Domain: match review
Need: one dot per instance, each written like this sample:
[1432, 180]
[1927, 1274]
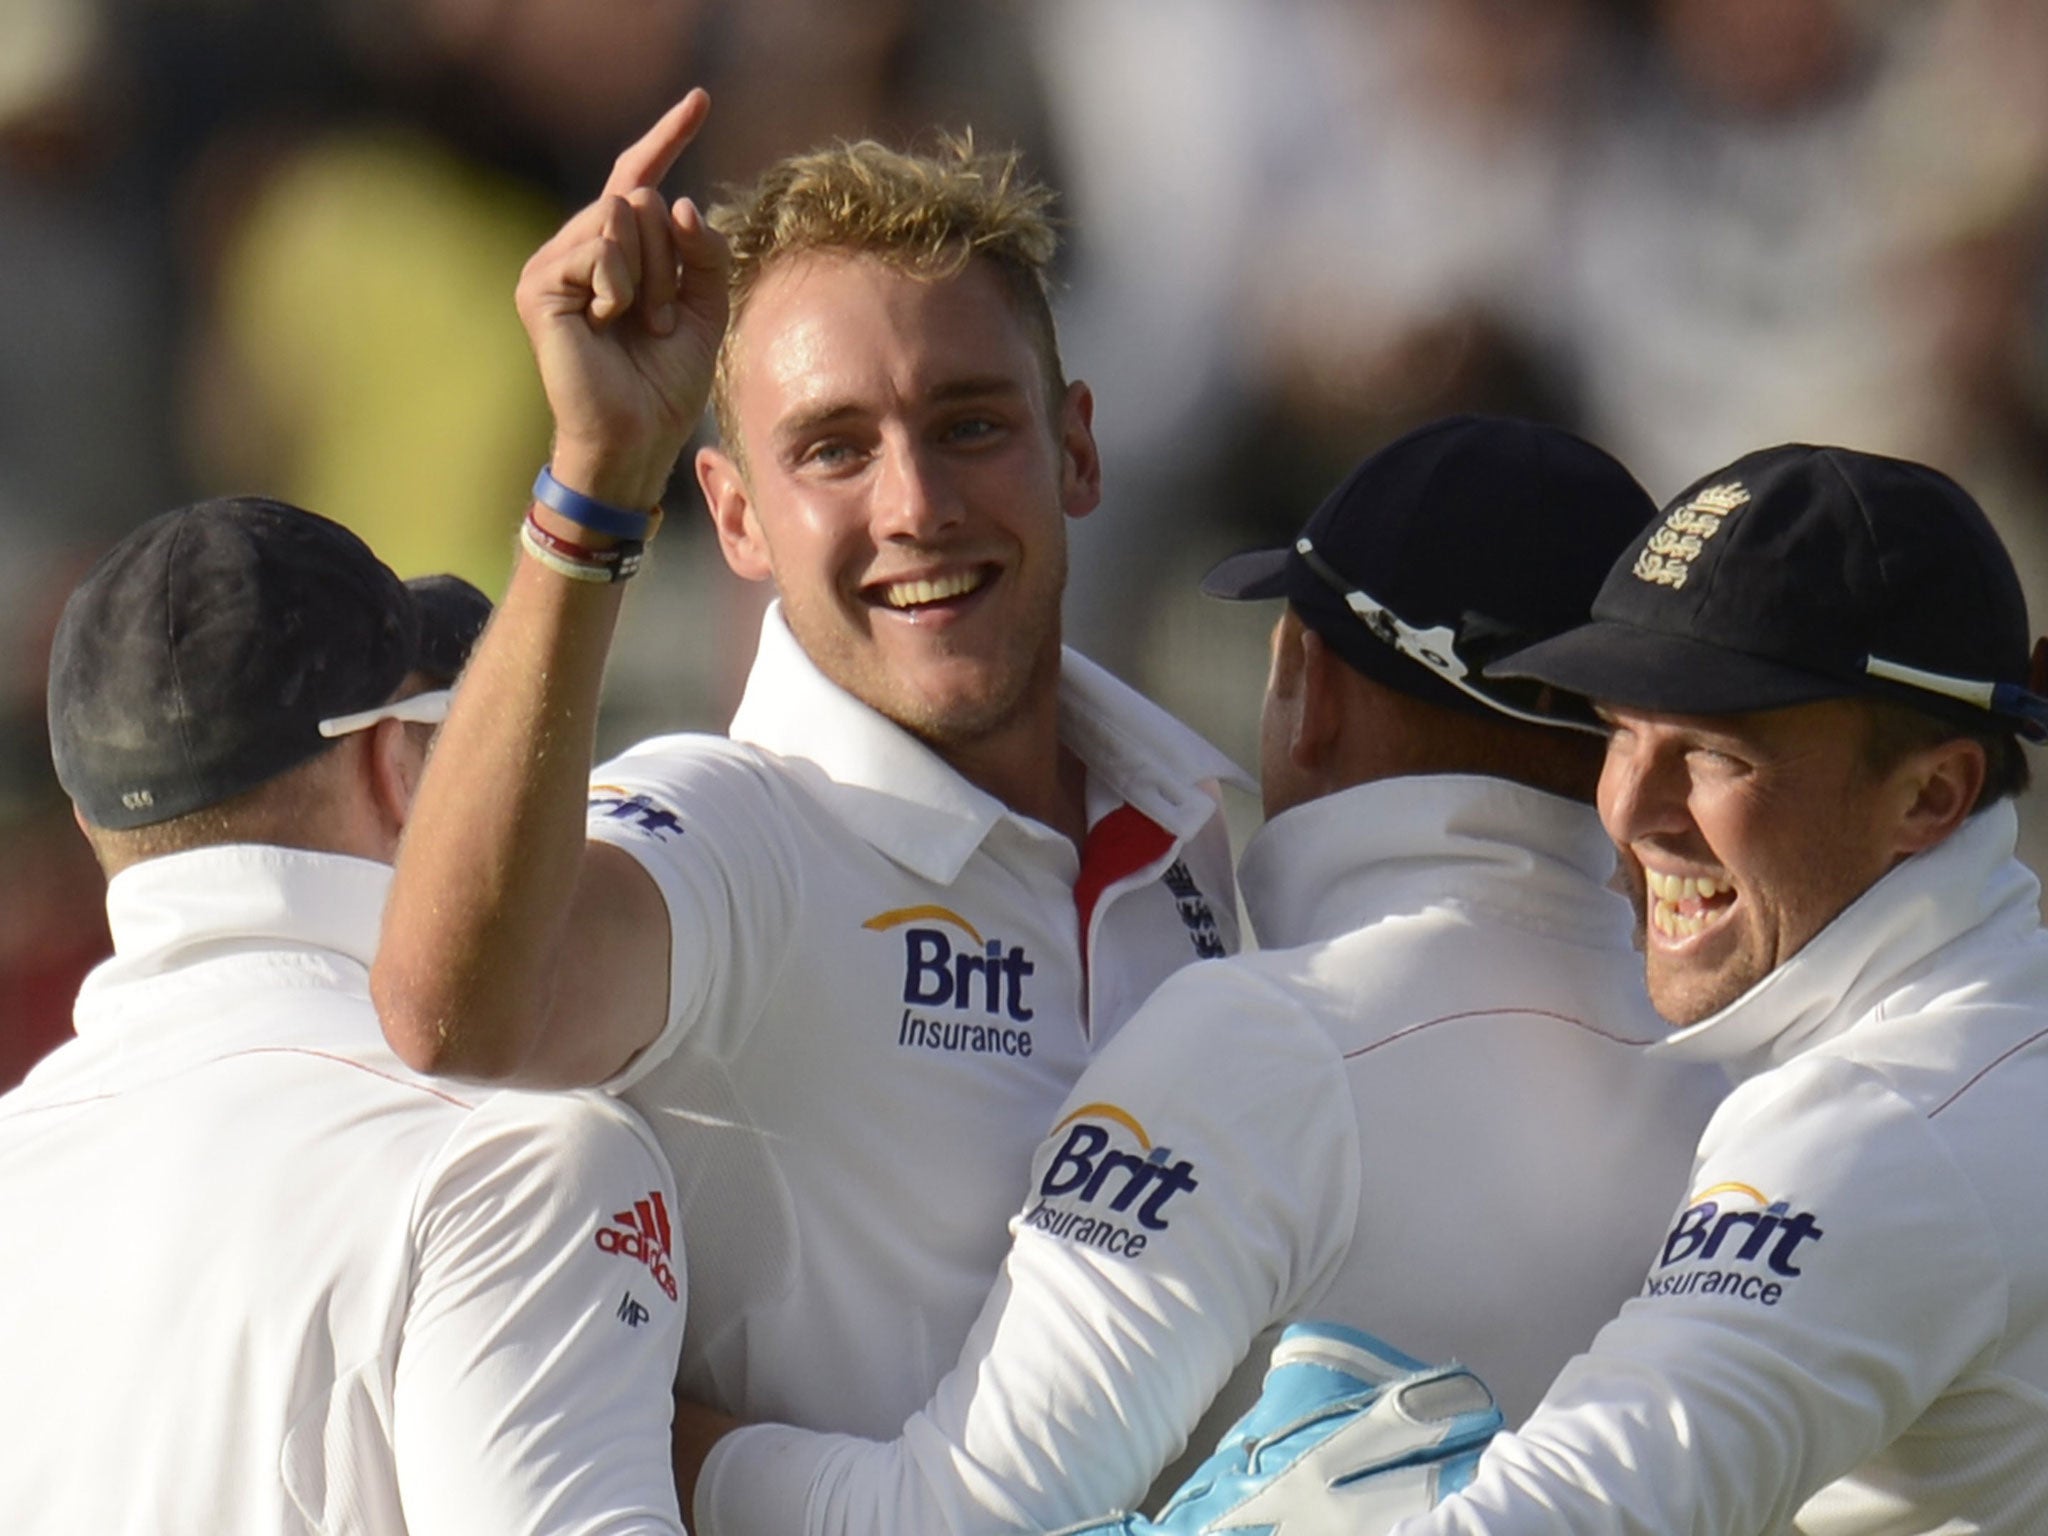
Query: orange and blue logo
[1109, 1165]
[1742, 1223]
[1733, 1223]
[948, 963]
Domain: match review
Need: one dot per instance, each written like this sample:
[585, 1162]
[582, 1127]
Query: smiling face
[1747, 834]
[906, 486]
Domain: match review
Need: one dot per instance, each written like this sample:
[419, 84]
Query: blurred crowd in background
[269, 246]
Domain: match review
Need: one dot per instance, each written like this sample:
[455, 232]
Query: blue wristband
[584, 512]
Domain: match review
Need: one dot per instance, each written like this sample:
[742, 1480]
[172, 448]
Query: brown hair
[928, 214]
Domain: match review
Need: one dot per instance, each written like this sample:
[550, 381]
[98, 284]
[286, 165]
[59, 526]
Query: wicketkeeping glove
[1348, 1437]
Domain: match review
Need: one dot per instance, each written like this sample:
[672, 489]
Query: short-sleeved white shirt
[1429, 1107]
[259, 1277]
[879, 996]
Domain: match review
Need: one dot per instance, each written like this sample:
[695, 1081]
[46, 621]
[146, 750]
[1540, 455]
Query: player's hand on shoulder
[1348, 1435]
[625, 308]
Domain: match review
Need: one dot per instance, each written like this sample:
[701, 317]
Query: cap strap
[2028, 712]
[1435, 649]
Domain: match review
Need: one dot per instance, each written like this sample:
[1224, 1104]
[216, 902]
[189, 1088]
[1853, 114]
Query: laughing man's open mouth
[1682, 905]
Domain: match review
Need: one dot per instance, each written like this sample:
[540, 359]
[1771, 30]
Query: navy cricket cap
[198, 657]
[1450, 547]
[1801, 573]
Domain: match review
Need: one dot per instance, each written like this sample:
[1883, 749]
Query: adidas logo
[643, 1233]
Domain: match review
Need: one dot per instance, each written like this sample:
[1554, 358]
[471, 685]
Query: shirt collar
[171, 913]
[1338, 862]
[1967, 882]
[898, 794]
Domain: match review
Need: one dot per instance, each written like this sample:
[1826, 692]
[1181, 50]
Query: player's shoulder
[668, 786]
[540, 1183]
[1941, 1051]
[1267, 978]
[1226, 1065]
[1444, 961]
[303, 1040]
[1904, 1090]
[540, 1158]
[571, 1125]
[1362, 974]
[1251, 1009]
[692, 757]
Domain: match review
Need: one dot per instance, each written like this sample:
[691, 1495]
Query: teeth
[1673, 923]
[910, 594]
[1682, 887]
[1667, 892]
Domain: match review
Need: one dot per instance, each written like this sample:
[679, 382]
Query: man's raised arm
[512, 949]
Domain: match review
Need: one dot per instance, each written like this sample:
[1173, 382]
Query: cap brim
[1612, 663]
[1257, 573]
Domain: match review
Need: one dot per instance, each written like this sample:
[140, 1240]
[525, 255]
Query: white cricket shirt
[1844, 1330]
[1427, 1108]
[261, 1278]
[879, 997]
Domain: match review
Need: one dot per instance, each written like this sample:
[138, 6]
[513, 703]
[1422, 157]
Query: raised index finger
[651, 157]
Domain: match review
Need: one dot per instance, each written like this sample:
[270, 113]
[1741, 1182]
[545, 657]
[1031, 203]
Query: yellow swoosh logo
[1108, 1112]
[925, 914]
[1733, 1189]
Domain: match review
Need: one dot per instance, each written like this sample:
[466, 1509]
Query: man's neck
[1025, 765]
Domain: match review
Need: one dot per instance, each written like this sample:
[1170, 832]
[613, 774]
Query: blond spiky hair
[929, 214]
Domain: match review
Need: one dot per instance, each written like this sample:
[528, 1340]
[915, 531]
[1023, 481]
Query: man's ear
[1937, 788]
[395, 761]
[1319, 721]
[726, 497]
[1080, 460]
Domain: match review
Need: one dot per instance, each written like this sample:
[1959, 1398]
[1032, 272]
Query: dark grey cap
[198, 657]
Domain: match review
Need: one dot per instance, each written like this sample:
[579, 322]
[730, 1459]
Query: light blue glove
[1348, 1437]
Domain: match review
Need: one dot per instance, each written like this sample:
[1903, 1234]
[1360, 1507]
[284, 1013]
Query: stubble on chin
[950, 719]
[1683, 996]
[958, 724]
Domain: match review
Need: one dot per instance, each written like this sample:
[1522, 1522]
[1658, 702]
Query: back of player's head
[927, 213]
[1450, 547]
[221, 645]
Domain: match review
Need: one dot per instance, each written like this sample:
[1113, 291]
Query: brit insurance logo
[1108, 1186]
[638, 811]
[1734, 1240]
[963, 991]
